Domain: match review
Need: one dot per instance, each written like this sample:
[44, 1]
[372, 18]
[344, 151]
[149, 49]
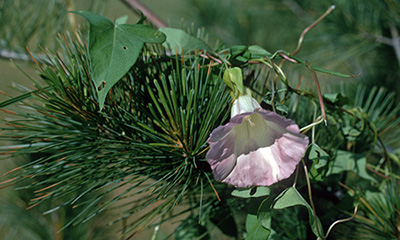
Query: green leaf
[320, 160]
[239, 55]
[237, 50]
[121, 20]
[258, 52]
[288, 198]
[179, 40]
[251, 192]
[254, 230]
[114, 48]
[337, 99]
[281, 108]
[347, 161]
[264, 215]
[318, 156]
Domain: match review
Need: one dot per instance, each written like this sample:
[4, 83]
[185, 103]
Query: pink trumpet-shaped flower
[256, 148]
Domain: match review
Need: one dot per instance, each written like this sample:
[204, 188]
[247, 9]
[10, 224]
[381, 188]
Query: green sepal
[234, 79]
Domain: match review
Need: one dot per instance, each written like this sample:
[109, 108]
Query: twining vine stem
[310, 196]
[330, 9]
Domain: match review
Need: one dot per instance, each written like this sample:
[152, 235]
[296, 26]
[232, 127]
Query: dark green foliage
[356, 38]
[144, 152]
[291, 224]
[380, 215]
[222, 216]
[191, 229]
[150, 137]
[19, 221]
[36, 24]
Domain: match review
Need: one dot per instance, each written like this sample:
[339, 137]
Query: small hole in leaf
[101, 86]
[253, 191]
[125, 47]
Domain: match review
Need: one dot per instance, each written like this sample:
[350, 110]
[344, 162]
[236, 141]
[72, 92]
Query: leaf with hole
[254, 192]
[114, 48]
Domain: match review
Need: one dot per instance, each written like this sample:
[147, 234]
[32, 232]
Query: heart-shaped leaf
[114, 48]
[347, 161]
[288, 198]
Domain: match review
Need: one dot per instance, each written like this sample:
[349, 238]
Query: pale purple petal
[221, 157]
[255, 149]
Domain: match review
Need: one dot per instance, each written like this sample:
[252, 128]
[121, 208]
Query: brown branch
[377, 38]
[395, 41]
[321, 99]
[8, 54]
[151, 17]
[20, 56]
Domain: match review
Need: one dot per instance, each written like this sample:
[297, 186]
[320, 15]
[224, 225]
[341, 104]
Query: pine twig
[154, 19]
[377, 38]
[20, 56]
[8, 54]
[393, 41]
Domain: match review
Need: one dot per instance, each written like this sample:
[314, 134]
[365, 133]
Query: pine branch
[393, 41]
[19, 56]
[7, 54]
[137, 5]
[378, 38]
[144, 139]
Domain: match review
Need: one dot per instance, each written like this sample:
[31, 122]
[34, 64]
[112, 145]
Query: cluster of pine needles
[149, 139]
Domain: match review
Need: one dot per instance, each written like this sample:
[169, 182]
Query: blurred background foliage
[356, 38]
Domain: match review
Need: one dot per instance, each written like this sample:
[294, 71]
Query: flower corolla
[256, 148]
